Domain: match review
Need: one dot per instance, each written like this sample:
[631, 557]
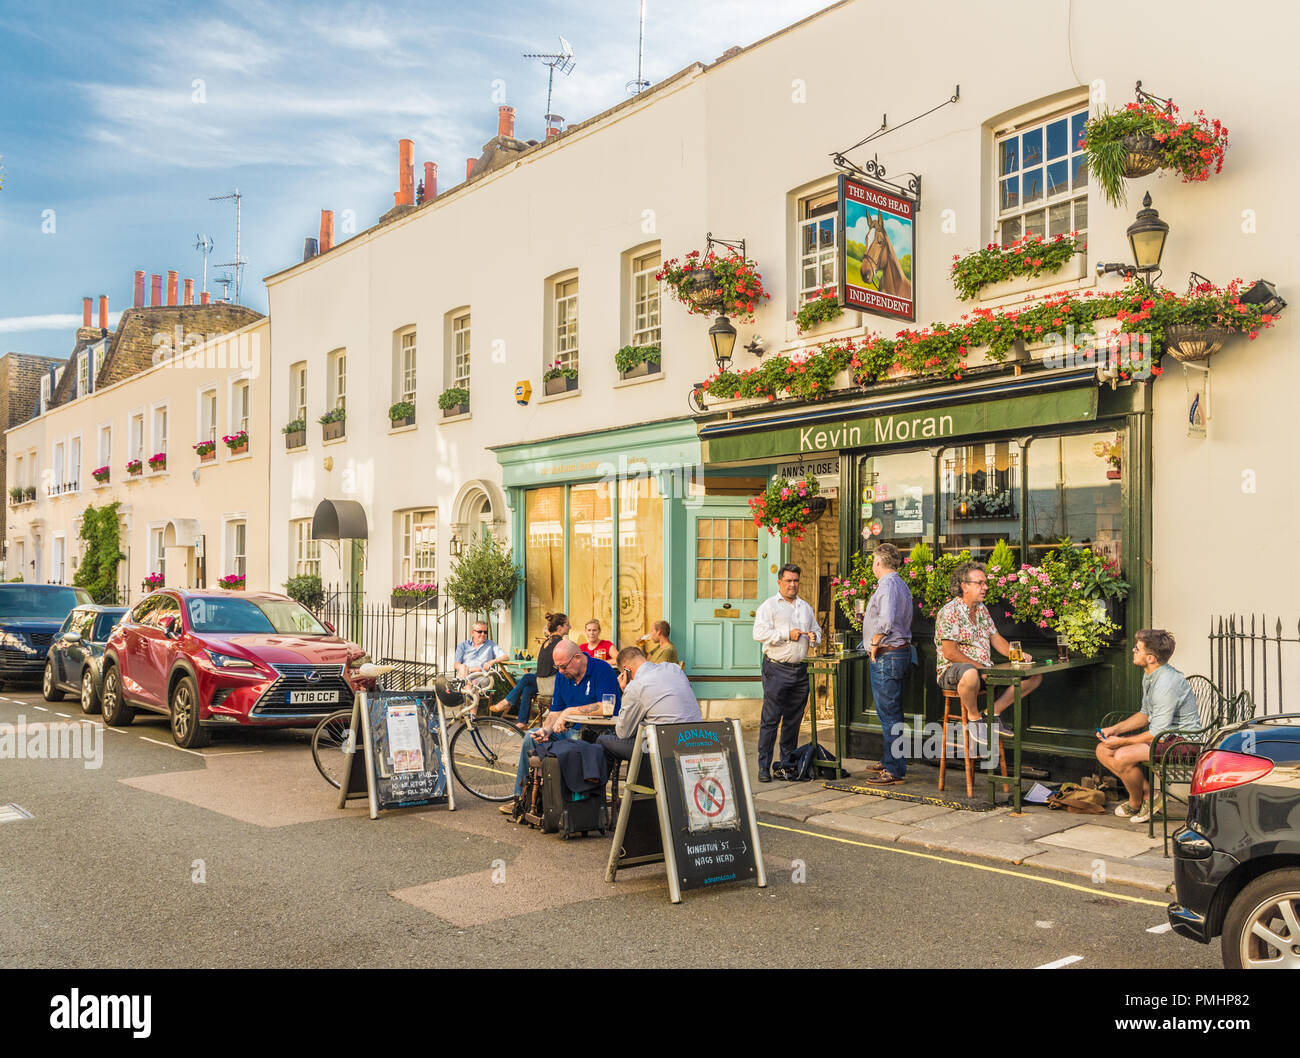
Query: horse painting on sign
[880, 268]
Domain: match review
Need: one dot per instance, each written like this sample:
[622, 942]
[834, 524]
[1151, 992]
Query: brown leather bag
[1076, 799]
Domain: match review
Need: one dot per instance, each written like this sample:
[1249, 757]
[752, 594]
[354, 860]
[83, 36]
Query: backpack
[1076, 799]
[798, 767]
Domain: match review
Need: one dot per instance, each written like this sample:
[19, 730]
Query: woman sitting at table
[595, 647]
[521, 697]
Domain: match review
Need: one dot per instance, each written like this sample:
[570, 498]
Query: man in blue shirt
[887, 635]
[1168, 704]
[581, 682]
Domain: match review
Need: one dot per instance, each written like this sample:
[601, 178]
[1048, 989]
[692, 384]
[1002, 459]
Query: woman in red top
[595, 647]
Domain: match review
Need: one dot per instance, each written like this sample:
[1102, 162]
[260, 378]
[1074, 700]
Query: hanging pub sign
[878, 251]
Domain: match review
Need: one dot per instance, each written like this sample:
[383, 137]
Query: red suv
[216, 658]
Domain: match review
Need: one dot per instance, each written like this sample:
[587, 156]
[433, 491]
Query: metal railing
[1249, 654]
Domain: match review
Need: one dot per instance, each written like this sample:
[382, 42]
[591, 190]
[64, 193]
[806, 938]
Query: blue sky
[300, 107]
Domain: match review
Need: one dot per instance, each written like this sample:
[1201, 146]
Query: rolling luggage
[569, 814]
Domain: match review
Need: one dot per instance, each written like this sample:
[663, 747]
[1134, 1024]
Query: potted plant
[101, 475]
[788, 506]
[822, 307]
[134, 467]
[1142, 138]
[233, 581]
[29, 493]
[207, 451]
[484, 578]
[236, 442]
[158, 461]
[295, 433]
[559, 379]
[306, 590]
[637, 361]
[715, 286]
[152, 581]
[414, 594]
[402, 414]
[16, 494]
[1028, 257]
[454, 401]
[334, 422]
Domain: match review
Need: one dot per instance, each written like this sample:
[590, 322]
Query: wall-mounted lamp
[1146, 240]
[722, 336]
[456, 545]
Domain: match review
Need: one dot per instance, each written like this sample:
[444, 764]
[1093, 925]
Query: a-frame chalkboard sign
[399, 751]
[688, 804]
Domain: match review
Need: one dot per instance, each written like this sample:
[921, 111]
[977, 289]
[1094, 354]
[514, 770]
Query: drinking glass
[607, 705]
[1016, 655]
[1062, 648]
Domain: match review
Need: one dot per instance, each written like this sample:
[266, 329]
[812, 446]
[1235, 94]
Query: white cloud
[52, 322]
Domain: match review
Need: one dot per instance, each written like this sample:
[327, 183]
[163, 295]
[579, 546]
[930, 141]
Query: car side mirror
[70, 637]
[330, 627]
[168, 626]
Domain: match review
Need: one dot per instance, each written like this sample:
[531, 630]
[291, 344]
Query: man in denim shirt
[887, 635]
[1168, 704]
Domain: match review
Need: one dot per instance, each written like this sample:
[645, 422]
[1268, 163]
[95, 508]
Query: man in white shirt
[787, 628]
[653, 692]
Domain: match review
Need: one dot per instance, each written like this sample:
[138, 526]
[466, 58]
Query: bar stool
[952, 713]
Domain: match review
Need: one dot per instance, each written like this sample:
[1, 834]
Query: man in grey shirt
[887, 636]
[652, 693]
[1168, 704]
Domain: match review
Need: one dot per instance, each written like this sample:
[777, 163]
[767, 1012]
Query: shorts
[953, 674]
[1176, 749]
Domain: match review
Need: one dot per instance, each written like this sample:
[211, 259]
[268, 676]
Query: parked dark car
[73, 664]
[1237, 859]
[30, 617]
[217, 658]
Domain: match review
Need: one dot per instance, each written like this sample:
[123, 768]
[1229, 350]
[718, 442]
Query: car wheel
[116, 712]
[49, 688]
[1262, 930]
[186, 731]
[89, 693]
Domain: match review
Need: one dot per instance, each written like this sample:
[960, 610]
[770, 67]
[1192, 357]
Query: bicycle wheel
[328, 743]
[484, 758]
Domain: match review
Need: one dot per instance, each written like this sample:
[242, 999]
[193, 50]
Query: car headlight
[228, 661]
[14, 641]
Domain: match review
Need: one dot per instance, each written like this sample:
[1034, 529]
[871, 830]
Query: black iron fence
[1252, 654]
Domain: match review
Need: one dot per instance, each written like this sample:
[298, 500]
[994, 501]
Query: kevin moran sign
[749, 440]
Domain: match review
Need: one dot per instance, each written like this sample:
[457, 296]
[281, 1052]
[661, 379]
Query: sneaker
[1126, 811]
[1005, 730]
[508, 809]
[1144, 815]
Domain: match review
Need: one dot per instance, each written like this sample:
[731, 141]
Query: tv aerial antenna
[238, 263]
[640, 84]
[564, 61]
[204, 246]
[225, 282]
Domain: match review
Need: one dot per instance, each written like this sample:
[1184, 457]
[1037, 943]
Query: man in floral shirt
[963, 634]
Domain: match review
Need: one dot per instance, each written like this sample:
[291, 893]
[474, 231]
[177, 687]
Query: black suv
[1237, 859]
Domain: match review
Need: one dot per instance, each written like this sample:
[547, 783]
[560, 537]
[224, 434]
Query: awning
[339, 520]
[185, 531]
[1017, 404]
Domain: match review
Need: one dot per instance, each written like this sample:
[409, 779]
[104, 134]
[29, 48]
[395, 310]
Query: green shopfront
[617, 526]
[1032, 460]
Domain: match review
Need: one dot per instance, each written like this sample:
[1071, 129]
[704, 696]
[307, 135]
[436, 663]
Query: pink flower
[1048, 613]
[1002, 581]
[1042, 624]
[1076, 586]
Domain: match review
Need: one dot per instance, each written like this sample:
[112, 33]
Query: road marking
[182, 749]
[40, 707]
[973, 866]
[67, 715]
[1045, 925]
[1069, 960]
[226, 753]
[1164, 927]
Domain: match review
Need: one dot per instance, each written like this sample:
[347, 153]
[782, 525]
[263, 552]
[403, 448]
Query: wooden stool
[952, 713]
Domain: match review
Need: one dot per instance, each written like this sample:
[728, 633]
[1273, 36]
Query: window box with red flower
[236, 442]
[207, 451]
[101, 475]
[999, 271]
[233, 581]
[158, 461]
[822, 308]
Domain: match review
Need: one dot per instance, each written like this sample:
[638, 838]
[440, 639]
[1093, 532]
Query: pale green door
[730, 573]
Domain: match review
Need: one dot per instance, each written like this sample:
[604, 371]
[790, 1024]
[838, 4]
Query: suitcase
[569, 814]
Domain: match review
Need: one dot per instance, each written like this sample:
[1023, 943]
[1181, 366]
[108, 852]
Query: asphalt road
[236, 856]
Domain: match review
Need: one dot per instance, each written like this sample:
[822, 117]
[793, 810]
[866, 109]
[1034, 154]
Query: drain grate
[11, 812]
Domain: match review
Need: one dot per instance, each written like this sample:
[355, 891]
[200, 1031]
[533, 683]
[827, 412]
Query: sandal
[499, 708]
[883, 778]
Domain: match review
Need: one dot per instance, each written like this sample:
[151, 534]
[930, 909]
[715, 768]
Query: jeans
[530, 745]
[888, 673]
[521, 696]
[785, 696]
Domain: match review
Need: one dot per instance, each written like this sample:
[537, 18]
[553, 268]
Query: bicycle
[484, 750]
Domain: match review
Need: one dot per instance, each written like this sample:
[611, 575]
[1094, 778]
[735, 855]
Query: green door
[730, 573]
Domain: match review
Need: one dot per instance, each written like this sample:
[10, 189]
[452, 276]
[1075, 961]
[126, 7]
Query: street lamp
[722, 336]
[1146, 239]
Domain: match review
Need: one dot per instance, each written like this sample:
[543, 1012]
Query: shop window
[726, 558]
[897, 500]
[591, 557]
[640, 558]
[543, 557]
[1042, 178]
[980, 497]
[1075, 491]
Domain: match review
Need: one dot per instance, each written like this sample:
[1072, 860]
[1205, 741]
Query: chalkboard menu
[403, 737]
[707, 833]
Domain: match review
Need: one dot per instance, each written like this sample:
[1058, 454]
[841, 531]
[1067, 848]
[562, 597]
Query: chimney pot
[139, 289]
[203, 298]
[155, 292]
[552, 132]
[309, 248]
[103, 312]
[85, 311]
[189, 292]
[430, 180]
[326, 229]
[469, 167]
[405, 195]
[171, 288]
[506, 121]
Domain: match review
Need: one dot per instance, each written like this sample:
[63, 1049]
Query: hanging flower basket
[1144, 155]
[1192, 341]
[786, 507]
[715, 286]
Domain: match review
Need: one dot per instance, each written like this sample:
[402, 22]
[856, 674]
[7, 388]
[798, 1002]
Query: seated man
[661, 650]
[652, 692]
[478, 653]
[580, 684]
[1168, 704]
[963, 632]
